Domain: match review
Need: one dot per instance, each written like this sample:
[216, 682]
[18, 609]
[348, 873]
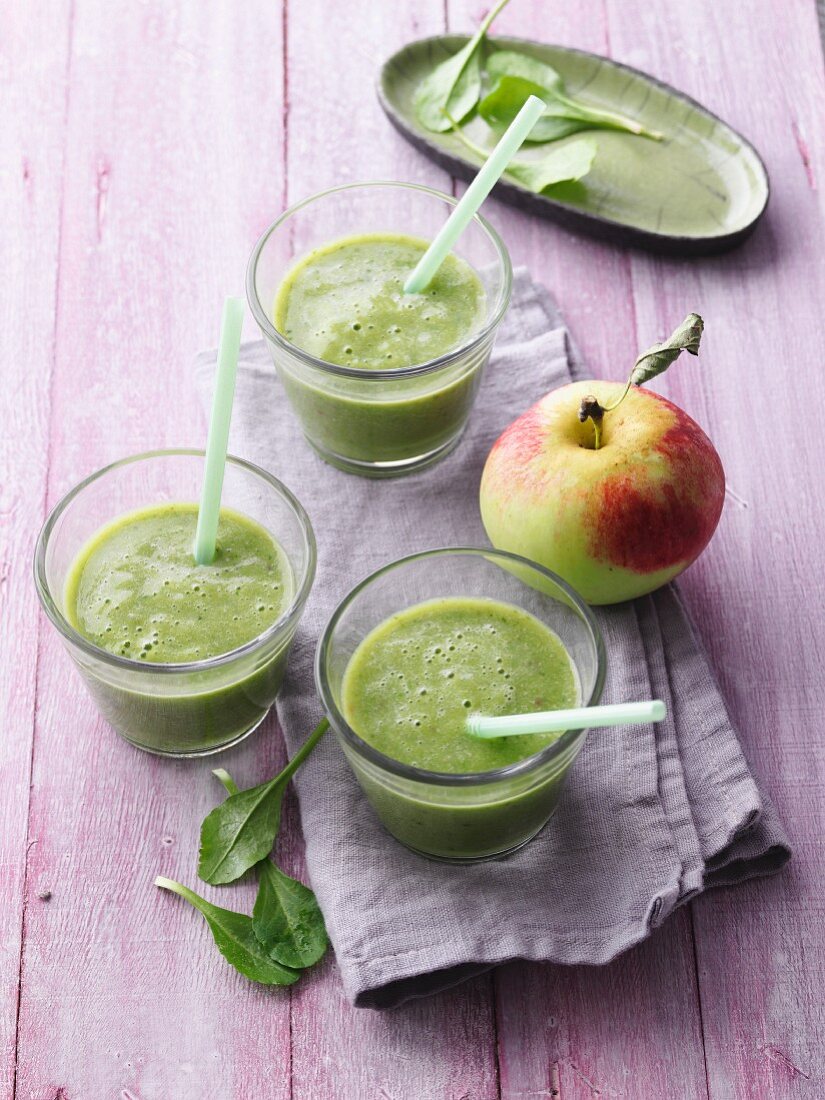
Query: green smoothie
[344, 304]
[135, 591]
[408, 690]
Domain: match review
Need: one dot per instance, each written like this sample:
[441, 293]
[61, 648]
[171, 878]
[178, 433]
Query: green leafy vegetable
[521, 65]
[567, 164]
[286, 931]
[235, 939]
[514, 77]
[658, 358]
[286, 918]
[455, 84]
[450, 92]
[508, 96]
[229, 783]
[241, 831]
[518, 76]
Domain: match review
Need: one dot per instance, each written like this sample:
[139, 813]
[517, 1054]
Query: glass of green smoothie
[425, 642]
[181, 659]
[382, 382]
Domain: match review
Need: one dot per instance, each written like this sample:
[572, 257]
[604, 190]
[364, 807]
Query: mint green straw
[216, 442]
[474, 196]
[557, 721]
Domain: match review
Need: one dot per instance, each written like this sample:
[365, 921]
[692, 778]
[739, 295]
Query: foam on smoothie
[345, 304]
[413, 680]
[136, 591]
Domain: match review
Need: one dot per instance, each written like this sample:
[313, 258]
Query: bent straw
[216, 441]
[474, 196]
[557, 721]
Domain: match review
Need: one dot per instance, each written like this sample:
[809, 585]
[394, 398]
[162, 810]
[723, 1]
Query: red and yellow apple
[614, 522]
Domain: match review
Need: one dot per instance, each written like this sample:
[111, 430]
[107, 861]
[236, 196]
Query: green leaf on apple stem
[658, 358]
[650, 363]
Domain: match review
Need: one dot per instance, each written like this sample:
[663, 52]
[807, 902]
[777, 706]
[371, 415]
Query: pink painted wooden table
[144, 146]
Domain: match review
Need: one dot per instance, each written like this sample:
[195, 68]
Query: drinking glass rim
[455, 779]
[62, 624]
[376, 376]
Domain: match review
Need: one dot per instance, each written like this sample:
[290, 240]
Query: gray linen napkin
[650, 815]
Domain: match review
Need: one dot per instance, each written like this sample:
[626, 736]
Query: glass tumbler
[461, 818]
[198, 707]
[378, 423]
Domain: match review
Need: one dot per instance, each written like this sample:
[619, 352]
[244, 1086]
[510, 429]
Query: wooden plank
[336, 133]
[758, 594]
[174, 152]
[33, 108]
[578, 1029]
[623, 1030]
[590, 279]
[442, 1047]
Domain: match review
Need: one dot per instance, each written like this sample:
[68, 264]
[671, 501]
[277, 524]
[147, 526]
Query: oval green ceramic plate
[700, 190]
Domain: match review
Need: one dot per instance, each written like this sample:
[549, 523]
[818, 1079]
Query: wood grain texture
[148, 146]
[629, 1029]
[430, 1050]
[33, 108]
[174, 148]
[756, 595]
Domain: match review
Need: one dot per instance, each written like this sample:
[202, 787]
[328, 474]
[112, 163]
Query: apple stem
[592, 409]
[622, 396]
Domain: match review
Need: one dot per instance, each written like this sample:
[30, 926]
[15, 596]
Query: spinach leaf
[508, 96]
[287, 919]
[455, 84]
[241, 831]
[521, 65]
[568, 163]
[658, 358]
[235, 939]
[229, 783]
[516, 76]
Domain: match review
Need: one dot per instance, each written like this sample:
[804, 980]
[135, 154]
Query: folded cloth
[650, 815]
